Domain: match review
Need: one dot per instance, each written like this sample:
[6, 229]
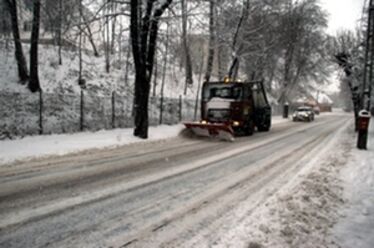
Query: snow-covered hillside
[55, 78]
[65, 108]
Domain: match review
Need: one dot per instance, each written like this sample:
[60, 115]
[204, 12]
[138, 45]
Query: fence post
[180, 108]
[161, 108]
[113, 110]
[82, 111]
[40, 112]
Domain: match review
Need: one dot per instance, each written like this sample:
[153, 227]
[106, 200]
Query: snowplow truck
[230, 109]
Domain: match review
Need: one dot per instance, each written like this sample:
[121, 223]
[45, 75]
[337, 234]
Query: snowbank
[61, 144]
[39, 146]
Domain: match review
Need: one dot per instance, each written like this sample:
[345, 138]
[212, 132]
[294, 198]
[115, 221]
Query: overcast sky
[343, 13]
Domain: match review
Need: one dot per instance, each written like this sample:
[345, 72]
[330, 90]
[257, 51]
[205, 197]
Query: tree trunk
[34, 84]
[234, 68]
[286, 76]
[212, 41]
[142, 86]
[81, 81]
[219, 48]
[89, 33]
[59, 32]
[144, 32]
[188, 62]
[127, 64]
[107, 42]
[141, 114]
[165, 63]
[199, 84]
[21, 61]
[114, 22]
[155, 76]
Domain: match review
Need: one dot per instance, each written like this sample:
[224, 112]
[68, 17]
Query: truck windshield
[224, 91]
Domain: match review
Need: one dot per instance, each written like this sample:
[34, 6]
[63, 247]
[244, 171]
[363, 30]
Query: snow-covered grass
[356, 228]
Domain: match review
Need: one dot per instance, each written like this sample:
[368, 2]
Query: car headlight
[236, 123]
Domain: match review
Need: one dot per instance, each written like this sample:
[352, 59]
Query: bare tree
[59, 32]
[21, 61]
[186, 49]
[345, 50]
[303, 42]
[34, 84]
[144, 31]
[88, 33]
[165, 64]
[212, 40]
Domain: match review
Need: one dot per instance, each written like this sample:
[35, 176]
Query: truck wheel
[263, 128]
[249, 128]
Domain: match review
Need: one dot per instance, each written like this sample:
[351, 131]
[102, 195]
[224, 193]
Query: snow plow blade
[220, 131]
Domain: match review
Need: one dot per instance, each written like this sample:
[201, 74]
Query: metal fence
[46, 113]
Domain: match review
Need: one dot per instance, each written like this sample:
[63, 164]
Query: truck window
[223, 91]
[258, 97]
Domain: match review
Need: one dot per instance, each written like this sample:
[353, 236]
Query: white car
[303, 114]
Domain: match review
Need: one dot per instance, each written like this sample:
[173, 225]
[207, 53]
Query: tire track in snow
[236, 191]
[112, 192]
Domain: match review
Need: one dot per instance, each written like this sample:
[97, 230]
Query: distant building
[322, 104]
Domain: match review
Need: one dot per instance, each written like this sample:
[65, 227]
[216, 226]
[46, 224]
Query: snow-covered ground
[302, 212]
[46, 145]
[356, 228]
[61, 144]
[328, 203]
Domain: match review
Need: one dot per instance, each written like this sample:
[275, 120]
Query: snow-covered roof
[323, 98]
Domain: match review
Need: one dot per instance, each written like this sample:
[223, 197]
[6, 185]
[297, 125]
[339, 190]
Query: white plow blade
[223, 135]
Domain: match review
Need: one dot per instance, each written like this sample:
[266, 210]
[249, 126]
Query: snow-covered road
[172, 193]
